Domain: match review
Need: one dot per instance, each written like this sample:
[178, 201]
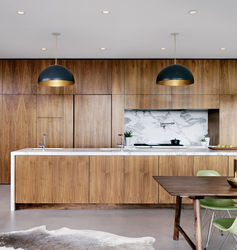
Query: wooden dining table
[196, 188]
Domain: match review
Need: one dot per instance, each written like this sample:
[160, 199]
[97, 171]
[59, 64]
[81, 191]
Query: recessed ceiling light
[102, 48]
[20, 12]
[192, 12]
[162, 48]
[43, 49]
[222, 48]
[105, 11]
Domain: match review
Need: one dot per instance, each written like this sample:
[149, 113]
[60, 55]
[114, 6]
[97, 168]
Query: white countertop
[126, 151]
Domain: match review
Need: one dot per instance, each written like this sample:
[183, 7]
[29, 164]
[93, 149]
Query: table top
[195, 186]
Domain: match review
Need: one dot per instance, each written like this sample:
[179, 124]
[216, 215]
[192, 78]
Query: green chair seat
[219, 204]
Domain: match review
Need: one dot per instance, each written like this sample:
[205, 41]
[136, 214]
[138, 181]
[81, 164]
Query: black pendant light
[56, 75]
[175, 74]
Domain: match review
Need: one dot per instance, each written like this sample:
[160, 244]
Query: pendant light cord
[56, 51]
[174, 48]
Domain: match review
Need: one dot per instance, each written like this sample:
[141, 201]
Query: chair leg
[209, 230]
[225, 241]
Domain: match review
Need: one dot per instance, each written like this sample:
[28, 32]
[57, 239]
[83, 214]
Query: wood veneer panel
[213, 126]
[92, 121]
[50, 105]
[117, 119]
[33, 179]
[19, 126]
[106, 179]
[68, 121]
[1, 75]
[206, 77]
[195, 101]
[19, 76]
[92, 77]
[228, 76]
[140, 186]
[147, 101]
[228, 119]
[174, 166]
[71, 179]
[118, 76]
[231, 165]
[1, 134]
[218, 163]
[140, 76]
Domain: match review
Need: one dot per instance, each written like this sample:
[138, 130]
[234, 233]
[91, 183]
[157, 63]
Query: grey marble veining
[189, 126]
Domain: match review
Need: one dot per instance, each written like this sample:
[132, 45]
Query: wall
[71, 116]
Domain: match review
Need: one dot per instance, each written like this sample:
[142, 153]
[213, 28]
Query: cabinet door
[140, 187]
[33, 179]
[70, 179]
[174, 166]
[106, 179]
[218, 163]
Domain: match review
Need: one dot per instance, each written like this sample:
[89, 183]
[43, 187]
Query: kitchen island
[106, 177]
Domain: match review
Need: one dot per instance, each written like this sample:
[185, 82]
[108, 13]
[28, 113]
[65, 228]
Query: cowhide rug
[39, 238]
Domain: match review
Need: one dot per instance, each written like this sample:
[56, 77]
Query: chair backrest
[207, 173]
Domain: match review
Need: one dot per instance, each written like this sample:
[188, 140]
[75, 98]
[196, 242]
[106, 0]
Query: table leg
[177, 217]
[197, 223]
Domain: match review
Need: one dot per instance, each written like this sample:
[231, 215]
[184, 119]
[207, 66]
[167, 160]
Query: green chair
[229, 225]
[215, 205]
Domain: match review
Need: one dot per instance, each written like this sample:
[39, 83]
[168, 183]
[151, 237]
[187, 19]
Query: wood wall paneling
[140, 186]
[71, 179]
[217, 163]
[148, 101]
[19, 77]
[228, 119]
[140, 76]
[213, 126]
[92, 77]
[106, 179]
[33, 179]
[117, 119]
[1, 75]
[206, 77]
[19, 127]
[228, 76]
[195, 101]
[92, 121]
[174, 166]
[118, 77]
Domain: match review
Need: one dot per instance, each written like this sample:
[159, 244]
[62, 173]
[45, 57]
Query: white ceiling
[133, 29]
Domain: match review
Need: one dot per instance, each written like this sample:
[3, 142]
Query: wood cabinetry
[1, 73]
[52, 179]
[118, 72]
[106, 179]
[140, 186]
[174, 166]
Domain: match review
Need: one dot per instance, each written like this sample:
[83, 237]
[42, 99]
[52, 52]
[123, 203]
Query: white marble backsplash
[189, 126]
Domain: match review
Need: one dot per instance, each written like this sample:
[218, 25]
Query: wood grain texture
[206, 77]
[117, 119]
[147, 101]
[217, 163]
[68, 121]
[19, 127]
[71, 179]
[118, 77]
[1, 75]
[195, 101]
[174, 166]
[92, 121]
[213, 126]
[50, 106]
[19, 76]
[140, 76]
[228, 76]
[92, 77]
[1, 137]
[33, 179]
[228, 119]
[139, 184]
[106, 179]
[231, 166]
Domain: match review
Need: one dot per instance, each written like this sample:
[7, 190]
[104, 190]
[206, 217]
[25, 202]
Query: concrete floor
[157, 223]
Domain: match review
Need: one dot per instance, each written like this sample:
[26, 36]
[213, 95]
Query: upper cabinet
[206, 77]
[228, 74]
[140, 77]
[0, 76]
[92, 77]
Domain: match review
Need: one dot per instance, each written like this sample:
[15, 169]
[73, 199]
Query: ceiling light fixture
[192, 12]
[175, 74]
[222, 48]
[105, 11]
[56, 75]
[20, 12]
[44, 49]
[162, 48]
[102, 48]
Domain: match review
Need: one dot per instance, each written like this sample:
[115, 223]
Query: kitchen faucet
[120, 145]
[43, 145]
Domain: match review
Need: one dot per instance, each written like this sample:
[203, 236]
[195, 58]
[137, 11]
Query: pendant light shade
[56, 75]
[175, 74]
